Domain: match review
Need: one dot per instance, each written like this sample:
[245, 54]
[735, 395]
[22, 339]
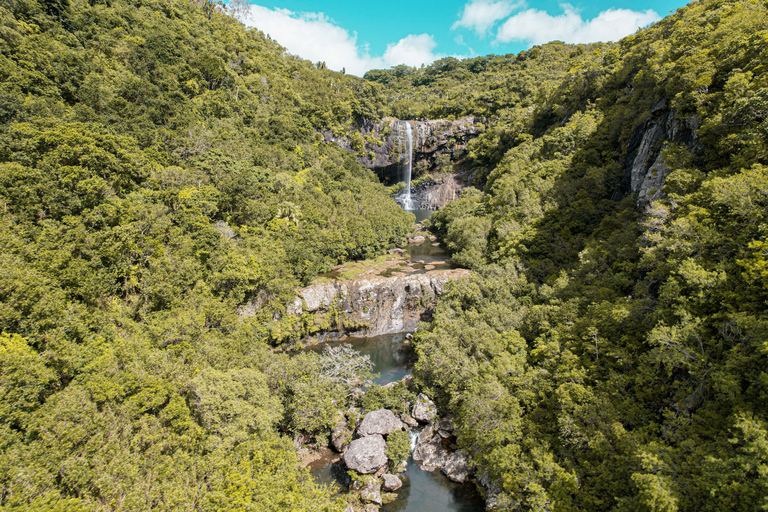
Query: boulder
[340, 437]
[381, 421]
[372, 494]
[424, 409]
[445, 427]
[366, 455]
[457, 467]
[409, 420]
[430, 450]
[391, 482]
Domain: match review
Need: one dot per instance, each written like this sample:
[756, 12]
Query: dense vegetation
[159, 168]
[610, 354]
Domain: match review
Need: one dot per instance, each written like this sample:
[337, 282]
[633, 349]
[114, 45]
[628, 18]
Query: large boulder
[456, 466]
[366, 455]
[424, 409]
[381, 421]
[391, 482]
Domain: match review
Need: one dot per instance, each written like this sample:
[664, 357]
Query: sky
[359, 36]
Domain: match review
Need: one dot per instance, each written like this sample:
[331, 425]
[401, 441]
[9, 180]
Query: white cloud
[539, 27]
[315, 37]
[481, 15]
[412, 50]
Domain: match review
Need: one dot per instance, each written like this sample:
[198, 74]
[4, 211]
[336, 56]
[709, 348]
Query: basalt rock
[381, 421]
[456, 466]
[645, 167]
[381, 150]
[424, 409]
[375, 305]
[366, 455]
[391, 482]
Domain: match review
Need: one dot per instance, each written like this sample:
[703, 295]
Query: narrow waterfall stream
[405, 133]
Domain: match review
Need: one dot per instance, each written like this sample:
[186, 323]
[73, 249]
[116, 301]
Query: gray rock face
[431, 451]
[424, 409]
[646, 170]
[366, 455]
[456, 466]
[372, 494]
[430, 139]
[381, 421]
[391, 482]
[375, 305]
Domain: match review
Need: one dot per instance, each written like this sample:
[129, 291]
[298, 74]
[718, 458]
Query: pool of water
[421, 214]
[425, 491]
[390, 356]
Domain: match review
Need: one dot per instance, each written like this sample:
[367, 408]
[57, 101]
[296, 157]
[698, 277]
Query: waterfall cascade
[405, 134]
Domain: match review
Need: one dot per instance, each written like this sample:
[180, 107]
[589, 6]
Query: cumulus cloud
[539, 27]
[481, 15]
[316, 37]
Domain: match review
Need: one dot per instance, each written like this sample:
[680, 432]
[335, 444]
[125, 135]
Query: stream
[422, 491]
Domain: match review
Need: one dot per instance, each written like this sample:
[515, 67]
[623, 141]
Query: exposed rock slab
[645, 167]
[376, 305]
[381, 421]
[366, 455]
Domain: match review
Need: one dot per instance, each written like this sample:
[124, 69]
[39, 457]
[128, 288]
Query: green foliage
[160, 168]
[398, 448]
[607, 355]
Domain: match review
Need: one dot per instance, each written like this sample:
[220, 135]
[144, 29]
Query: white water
[414, 435]
[406, 161]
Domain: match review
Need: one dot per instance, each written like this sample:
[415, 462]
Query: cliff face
[431, 139]
[646, 170]
[375, 305]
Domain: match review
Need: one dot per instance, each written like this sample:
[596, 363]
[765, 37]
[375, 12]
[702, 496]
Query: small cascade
[414, 435]
[405, 134]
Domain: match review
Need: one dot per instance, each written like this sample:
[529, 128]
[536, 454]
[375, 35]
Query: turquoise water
[421, 214]
[390, 357]
[425, 491]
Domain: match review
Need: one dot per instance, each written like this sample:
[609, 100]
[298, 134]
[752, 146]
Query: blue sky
[359, 36]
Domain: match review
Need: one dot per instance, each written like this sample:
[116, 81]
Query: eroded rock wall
[376, 305]
[645, 167]
[380, 149]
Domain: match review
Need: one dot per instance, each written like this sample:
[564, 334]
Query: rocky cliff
[645, 167]
[375, 305]
[378, 147]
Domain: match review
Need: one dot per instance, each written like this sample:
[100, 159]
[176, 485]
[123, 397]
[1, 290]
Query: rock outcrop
[391, 482]
[366, 455]
[381, 421]
[424, 409]
[375, 305]
[380, 148]
[645, 168]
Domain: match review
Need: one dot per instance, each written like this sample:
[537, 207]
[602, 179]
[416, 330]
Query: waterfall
[405, 134]
[414, 435]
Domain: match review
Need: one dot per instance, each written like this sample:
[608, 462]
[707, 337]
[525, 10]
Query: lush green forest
[610, 353]
[161, 166]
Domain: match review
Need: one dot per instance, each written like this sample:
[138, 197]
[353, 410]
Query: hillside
[161, 166]
[609, 354]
